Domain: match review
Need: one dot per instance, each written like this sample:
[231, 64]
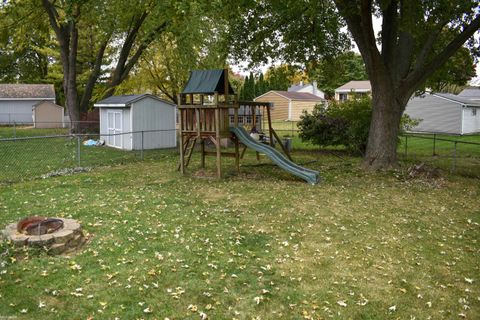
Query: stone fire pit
[56, 235]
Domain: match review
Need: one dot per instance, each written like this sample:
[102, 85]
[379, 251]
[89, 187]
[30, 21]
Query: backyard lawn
[258, 245]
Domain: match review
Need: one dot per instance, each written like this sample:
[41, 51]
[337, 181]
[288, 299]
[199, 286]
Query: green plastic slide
[311, 176]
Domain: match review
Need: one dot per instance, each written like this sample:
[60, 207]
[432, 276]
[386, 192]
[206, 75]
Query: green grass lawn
[258, 245]
[28, 131]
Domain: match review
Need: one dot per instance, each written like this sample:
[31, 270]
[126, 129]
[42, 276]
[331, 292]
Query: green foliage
[333, 72]
[456, 73]
[283, 76]
[344, 124]
[295, 31]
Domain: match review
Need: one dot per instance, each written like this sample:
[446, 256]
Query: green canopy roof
[207, 81]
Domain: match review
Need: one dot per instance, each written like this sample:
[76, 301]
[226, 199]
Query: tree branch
[92, 79]
[420, 75]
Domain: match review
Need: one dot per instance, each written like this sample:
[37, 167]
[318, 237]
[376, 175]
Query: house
[134, 122]
[287, 105]
[308, 88]
[47, 114]
[353, 89]
[445, 113]
[17, 101]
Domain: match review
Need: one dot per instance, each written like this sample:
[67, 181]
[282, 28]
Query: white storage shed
[134, 122]
[445, 113]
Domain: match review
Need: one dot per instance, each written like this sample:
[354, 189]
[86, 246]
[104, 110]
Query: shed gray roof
[473, 92]
[126, 100]
[27, 91]
[207, 81]
[355, 85]
[459, 99]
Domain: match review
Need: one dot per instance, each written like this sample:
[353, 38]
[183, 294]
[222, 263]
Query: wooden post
[180, 115]
[217, 136]
[270, 130]
[237, 143]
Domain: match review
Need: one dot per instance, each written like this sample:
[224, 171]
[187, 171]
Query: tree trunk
[381, 150]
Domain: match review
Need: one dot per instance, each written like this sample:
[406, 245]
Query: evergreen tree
[261, 87]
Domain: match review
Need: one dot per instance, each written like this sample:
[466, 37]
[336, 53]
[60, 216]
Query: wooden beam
[180, 112]
[217, 137]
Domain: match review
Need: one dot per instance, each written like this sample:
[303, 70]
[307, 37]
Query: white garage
[18, 100]
[134, 122]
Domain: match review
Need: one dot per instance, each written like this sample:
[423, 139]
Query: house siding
[471, 121]
[279, 112]
[19, 111]
[439, 115]
[299, 106]
[151, 114]
[48, 115]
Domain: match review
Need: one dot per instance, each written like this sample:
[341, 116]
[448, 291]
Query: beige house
[288, 106]
[353, 89]
[47, 114]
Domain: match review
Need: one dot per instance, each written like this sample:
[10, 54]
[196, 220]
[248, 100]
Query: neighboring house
[288, 106]
[47, 114]
[17, 101]
[134, 122]
[307, 88]
[353, 89]
[445, 113]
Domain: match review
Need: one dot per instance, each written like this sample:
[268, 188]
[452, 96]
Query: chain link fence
[23, 158]
[456, 154]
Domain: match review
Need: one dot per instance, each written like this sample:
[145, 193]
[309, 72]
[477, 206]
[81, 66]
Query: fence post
[141, 151]
[14, 129]
[434, 139]
[454, 162]
[78, 151]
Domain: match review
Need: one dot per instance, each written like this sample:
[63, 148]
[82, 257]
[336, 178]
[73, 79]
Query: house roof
[126, 100]
[472, 93]
[207, 81]
[292, 95]
[459, 99]
[297, 87]
[363, 85]
[27, 91]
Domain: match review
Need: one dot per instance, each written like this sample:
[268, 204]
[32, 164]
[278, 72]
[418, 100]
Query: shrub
[345, 123]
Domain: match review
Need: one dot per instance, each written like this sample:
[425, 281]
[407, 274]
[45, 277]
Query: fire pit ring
[56, 235]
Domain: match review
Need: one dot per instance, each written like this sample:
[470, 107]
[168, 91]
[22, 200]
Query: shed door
[114, 127]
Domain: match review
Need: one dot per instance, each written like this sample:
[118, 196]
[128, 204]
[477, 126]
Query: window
[248, 119]
[342, 96]
[474, 112]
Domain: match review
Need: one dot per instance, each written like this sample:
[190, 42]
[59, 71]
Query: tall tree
[416, 39]
[332, 72]
[122, 30]
[413, 47]
[164, 67]
[283, 76]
